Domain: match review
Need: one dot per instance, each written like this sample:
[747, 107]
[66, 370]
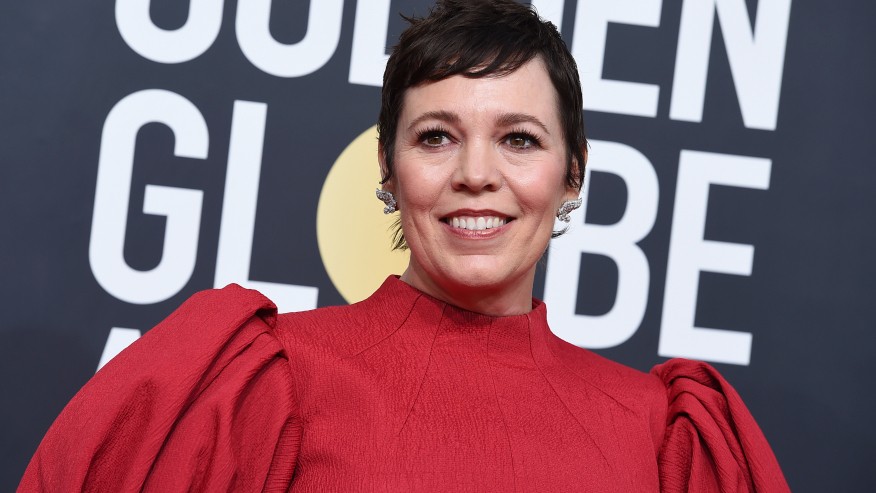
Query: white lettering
[757, 59]
[239, 211]
[295, 60]
[689, 254]
[550, 10]
[368, 58]
[181, 206]
[117, 341]
[588, 46]
[618, 242]
[163, 46]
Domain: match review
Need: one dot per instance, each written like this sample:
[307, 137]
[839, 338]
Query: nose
[477, 168]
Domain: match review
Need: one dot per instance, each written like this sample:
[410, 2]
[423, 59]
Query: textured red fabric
[182, 409]
[712, 441]
[400, 392]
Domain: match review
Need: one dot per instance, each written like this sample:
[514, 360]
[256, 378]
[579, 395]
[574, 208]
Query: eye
[522, 140]
[433, 138]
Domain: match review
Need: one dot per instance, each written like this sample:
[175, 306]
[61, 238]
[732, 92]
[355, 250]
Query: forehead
[526, 90]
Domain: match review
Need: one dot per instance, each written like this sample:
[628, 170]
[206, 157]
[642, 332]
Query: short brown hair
[481, 38]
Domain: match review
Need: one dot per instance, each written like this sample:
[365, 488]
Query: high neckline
[403, 309]
[395, 288]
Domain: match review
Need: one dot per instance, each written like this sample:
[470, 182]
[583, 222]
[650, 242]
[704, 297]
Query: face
[479, 175]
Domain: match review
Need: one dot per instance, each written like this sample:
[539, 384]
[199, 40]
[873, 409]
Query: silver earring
[567, 207]
[387, 198]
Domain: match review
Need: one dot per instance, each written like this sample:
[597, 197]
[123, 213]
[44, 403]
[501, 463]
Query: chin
[482, 279]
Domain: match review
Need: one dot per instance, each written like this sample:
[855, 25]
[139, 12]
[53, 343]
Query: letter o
[163, 46]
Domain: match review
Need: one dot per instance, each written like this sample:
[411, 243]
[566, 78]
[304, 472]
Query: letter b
[616, 241]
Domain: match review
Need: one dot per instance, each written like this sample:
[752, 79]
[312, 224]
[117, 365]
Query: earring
[567, 207]
[388, 199]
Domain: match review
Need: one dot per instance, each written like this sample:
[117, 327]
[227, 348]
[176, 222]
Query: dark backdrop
[783, 138]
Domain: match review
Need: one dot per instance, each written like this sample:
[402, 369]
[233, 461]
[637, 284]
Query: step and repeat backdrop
[151, 149]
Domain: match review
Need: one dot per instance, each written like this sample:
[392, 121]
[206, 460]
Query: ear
[384, 169]
[573, 193]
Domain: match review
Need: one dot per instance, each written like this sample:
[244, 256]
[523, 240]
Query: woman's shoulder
[339, 330]
[610, 376]
[347, 329]
[706, 438]
[190, 392]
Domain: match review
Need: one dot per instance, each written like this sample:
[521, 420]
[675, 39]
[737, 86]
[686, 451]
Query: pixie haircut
[480, 38]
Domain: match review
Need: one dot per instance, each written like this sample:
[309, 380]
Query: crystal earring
[387, 198]
[567, 207]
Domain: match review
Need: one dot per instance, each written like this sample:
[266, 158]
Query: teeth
[477, 223]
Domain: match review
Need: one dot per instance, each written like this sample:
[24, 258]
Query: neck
[512, 299]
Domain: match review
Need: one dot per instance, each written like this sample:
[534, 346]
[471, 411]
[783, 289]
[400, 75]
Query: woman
[447, 378]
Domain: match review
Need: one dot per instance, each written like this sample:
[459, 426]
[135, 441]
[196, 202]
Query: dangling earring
[388, 199]
[567, 207]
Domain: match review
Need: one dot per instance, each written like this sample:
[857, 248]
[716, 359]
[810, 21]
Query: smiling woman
[479, 176]
[447, 377]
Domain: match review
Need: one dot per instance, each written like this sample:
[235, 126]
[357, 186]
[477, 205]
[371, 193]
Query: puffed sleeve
[712, 443]
[202, 402]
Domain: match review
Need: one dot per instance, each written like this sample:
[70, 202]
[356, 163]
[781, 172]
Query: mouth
[474, 222]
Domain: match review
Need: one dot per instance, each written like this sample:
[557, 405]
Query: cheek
[542, 193]
[418, 184]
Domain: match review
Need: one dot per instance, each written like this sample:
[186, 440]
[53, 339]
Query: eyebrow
[444, 116]
[511, 119]
[504, 120]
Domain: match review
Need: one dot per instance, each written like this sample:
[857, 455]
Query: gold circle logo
[353, 234]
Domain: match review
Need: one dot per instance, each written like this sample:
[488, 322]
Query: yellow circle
[353, 233]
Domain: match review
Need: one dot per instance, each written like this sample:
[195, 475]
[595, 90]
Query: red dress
[400, 392]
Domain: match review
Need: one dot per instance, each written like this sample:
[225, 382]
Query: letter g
[181, 206]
